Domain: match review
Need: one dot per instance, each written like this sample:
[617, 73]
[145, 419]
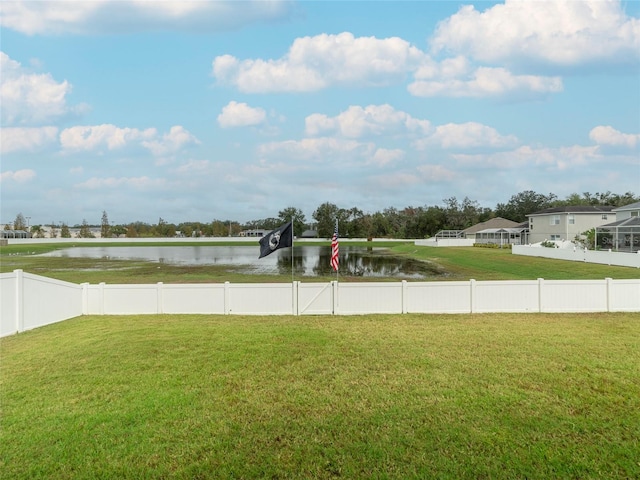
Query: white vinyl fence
[28, 301]
[603, 257]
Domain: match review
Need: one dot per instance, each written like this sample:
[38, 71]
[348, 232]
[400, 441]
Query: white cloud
[526, 156]
[484, 82]
[130, 16]
[110, 137]
[19, 176]
[384, 156]
[323, 149]
[558, 32]
[177, 138]
[236, 114]
[30, 98]
[467, 135]
[15, 139]
[314, 63]
[607, 135]
[137, 183]
[97, 137]
[357, 122]
[194, 167]
[436, 173]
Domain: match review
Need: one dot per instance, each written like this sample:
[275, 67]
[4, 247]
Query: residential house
[623, 234]
[567, 223]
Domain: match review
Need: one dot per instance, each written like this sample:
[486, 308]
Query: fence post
[294, 297]
[540, 287]
[19, 300]
[334, 297]
[609, 292]
[85, 298]
[405, 295]
[227, 306]
[101, 293]
[472, 293]
[159, 301]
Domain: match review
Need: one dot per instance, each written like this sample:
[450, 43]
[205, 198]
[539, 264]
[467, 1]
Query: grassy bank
[473, 396]
[446, 264]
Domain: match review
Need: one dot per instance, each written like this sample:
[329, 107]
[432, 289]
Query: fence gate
[315, 298]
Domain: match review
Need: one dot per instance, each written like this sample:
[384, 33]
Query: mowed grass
[379, 396]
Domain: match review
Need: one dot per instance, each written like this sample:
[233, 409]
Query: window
[555, 237]
[572, 219]
[604, 216]
[635, 214]
[554, 220]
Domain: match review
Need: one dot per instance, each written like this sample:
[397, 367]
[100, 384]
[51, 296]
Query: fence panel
[263, 299]
[8, 304]
[130, 299]
[624, 296]
[362, 298]
[49, 301]
[515, 296]
[200, 298]
[574, 296]
[438, 297]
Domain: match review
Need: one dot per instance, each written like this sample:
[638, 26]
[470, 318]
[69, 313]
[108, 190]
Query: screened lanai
[620, 236]
[502, 236]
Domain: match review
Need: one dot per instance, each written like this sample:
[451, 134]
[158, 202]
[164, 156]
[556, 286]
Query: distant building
[256, 232]
[15, 234]
[567, 223]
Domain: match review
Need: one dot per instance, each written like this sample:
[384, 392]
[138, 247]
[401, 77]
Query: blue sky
[203, 110]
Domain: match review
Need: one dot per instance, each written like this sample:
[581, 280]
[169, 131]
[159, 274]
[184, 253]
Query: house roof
[631, 206]
[503, 230]
[574, 209]
[627, 222]
[497, 222]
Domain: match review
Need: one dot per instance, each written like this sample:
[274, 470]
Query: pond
[308, 261]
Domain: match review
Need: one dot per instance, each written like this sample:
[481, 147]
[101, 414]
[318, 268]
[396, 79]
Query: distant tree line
[409, 222]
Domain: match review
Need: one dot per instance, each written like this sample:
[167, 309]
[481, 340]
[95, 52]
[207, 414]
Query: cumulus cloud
[96, 137]
[385, 156]
[357, 122]
[484, 82]
[236, 114]
[607, 135]
[526, 156]
[177, 138]
[436, 173]
[131, 16]
[29, 98]
[314, 63]
[559, 32]
[16, 139]
[467, 135]
[111, 137]
[136, 183]
[19, 176]
[315, 149]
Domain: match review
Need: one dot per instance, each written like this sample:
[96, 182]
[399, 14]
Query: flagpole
[337, 269]
[292, 250]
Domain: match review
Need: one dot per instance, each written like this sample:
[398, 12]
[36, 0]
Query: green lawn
[381, 396]
[451, 263]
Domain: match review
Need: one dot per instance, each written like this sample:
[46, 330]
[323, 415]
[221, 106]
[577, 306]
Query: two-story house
[567, 223]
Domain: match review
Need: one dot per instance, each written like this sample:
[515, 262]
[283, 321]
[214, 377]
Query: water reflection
[307, 261]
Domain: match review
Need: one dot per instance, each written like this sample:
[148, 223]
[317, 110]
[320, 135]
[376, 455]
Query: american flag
[335, 249]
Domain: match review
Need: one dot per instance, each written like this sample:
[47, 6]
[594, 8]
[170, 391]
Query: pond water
[307, 260]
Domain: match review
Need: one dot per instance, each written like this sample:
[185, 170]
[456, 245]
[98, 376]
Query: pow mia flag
[281, 237]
